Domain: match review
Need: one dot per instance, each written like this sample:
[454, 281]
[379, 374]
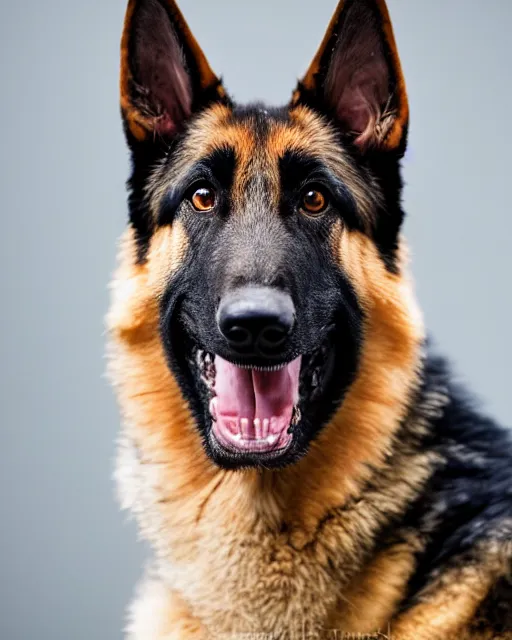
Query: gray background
[69, 559]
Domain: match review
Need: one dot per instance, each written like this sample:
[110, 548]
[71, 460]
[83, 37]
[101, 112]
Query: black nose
[256, 320]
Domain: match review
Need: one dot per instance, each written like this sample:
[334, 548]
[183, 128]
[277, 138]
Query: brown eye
[203, 199]
[313, 201]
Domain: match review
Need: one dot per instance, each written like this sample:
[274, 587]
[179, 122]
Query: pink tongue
[254, 404]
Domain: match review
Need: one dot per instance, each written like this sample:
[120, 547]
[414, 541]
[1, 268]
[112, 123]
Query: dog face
[269, 238]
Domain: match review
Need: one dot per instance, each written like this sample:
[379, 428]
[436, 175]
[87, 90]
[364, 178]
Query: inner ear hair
[356, 76]
[165, 76]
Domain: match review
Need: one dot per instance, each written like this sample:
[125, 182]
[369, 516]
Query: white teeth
[262, 430]
[276, 367]
[244, 422]
[209, 383]
[213, 408]
[205, 364]
[257, 428]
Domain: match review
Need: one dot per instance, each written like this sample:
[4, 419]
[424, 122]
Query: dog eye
[313, 201]
[203, 198]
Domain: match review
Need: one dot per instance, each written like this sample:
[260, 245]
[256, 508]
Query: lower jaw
[238, 459]
[236, 443]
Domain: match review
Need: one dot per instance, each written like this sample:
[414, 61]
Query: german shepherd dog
[300, 461]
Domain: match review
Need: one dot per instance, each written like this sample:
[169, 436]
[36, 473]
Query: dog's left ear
[356, 77]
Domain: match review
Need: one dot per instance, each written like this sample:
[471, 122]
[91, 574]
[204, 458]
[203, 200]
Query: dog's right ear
[165, 77]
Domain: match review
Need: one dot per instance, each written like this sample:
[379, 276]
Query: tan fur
[293, 551]
[307, 133]
[214, 131]
[239, 552]
[219, 535]
[370, 602]
[310, 134]
[160, 613]
[450, 604]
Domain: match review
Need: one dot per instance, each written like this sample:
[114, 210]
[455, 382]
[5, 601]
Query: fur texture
[391, 514]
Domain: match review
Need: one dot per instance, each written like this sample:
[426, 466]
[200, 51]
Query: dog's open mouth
[254, 410]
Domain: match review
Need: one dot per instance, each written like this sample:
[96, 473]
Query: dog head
[265, 242]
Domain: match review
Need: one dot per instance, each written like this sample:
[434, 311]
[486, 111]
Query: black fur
[298, 170]
[375, 162]
[386, 166]
[218, 169]
[468, 499]
[233, 247]
[147, 154]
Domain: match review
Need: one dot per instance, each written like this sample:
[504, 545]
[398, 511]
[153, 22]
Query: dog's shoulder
[470, 493]
[464, 516]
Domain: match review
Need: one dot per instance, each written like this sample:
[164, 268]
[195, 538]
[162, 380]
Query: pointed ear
[356, 77]
[165, 76]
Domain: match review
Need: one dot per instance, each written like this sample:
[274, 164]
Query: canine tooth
[257, 428]
[271, 438]
[207, 378]
[206, 381]
[213, 408]
[266, 425]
